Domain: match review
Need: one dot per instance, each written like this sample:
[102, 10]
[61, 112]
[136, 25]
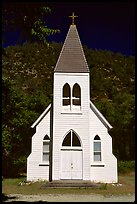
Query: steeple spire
[73, 17]
[72, 58]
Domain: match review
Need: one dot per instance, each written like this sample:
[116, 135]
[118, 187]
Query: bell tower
[71, 106]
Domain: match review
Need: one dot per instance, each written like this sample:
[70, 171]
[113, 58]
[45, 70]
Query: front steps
[71, 184]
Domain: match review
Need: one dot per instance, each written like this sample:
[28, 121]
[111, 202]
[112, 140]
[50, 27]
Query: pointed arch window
[66, 95]
[46, 147]
[76, 95]
[97, 148]
[71, 140]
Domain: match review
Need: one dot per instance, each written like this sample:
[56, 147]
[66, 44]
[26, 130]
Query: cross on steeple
[73, 16]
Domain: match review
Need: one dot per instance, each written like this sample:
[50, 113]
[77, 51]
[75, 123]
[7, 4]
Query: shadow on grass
[6, 198]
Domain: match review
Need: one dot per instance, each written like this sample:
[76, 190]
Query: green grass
[13, 186]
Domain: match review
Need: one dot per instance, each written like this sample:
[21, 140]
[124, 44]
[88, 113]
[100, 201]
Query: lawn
[126, 185]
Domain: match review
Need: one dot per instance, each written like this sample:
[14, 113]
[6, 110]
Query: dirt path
[71, 198]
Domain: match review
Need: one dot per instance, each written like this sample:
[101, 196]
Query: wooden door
[71, 164]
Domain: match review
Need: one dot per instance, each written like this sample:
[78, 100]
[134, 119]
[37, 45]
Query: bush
[13, 168]
[21, 164]
[126, 166]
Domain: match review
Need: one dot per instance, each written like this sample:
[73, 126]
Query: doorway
[71, 157]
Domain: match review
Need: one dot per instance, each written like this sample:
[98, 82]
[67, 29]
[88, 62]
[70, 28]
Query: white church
[71, 139]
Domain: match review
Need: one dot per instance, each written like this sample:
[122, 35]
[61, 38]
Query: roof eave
[100, 116]
[41, 116]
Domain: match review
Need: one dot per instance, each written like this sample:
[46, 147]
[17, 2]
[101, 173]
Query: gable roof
[41, 116]
[72, 58]
[92, 107]
[100, 116]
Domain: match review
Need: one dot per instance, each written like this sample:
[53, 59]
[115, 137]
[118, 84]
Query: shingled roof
[72, 58]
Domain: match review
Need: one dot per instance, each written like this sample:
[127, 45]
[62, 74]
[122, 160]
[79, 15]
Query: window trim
[47, 141]
[71, 147]
[71, 107]
[94, 151]
[73, 95]
[66, 97]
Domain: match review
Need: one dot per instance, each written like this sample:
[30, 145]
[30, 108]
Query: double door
[71, 164]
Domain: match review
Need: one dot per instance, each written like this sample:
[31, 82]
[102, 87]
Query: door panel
[76, 161]
[65, 164]
[71, 164]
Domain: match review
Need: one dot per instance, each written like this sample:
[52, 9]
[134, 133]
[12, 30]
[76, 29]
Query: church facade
[71, 139]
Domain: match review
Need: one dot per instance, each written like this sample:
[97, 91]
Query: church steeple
[72, 58]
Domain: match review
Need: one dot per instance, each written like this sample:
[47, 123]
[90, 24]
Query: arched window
[66, 95]
[76, 95]
[67, 140]
[46, 144]
[97, 148]
[71, 139]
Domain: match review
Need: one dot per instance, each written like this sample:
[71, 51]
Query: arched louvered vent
[76, 95]
[66, 95]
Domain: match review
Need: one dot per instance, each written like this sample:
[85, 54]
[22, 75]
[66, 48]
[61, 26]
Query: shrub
[126, 166]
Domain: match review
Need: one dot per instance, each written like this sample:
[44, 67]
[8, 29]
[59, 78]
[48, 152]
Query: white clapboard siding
[106, 174]
[34, 170]
[64, 121]
[102, 173]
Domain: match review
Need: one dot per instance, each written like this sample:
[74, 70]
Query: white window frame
[46, 141]
[76, 107]
[94, 151]
[72, 146]
[67, 107]
[71, 106]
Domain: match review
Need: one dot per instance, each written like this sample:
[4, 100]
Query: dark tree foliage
[27, 80]
[113, 92]
[27, 20]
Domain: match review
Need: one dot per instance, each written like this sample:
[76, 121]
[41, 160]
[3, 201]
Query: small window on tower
[66, 95]
[76, 95]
